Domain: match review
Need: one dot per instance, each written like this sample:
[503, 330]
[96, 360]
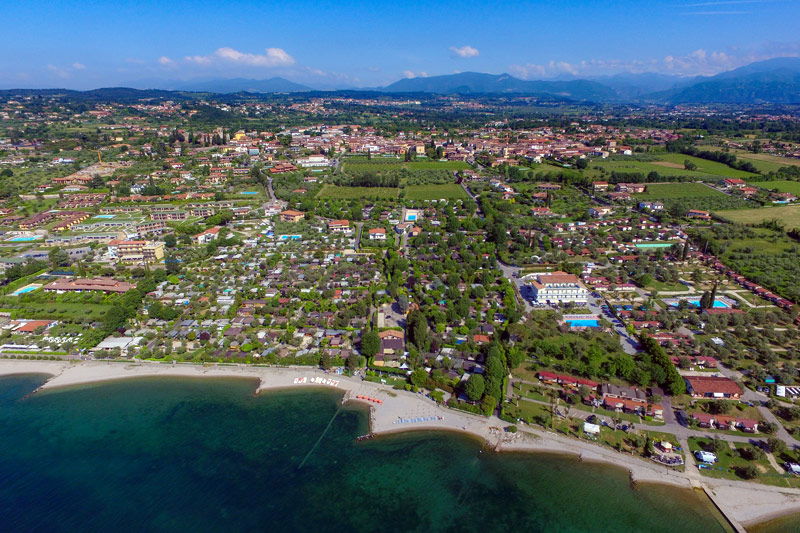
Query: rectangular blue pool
[696, 303]
[582, 323]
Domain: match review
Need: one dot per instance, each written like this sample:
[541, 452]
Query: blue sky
[91, 44]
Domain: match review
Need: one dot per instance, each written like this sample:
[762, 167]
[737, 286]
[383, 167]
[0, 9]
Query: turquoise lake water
[164, 454]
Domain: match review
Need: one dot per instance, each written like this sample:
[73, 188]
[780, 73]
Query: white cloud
[699, 62]
[59, 72]
[412, 74]
[165, 61]
[274, 57]
[78, 66]
[464, 51]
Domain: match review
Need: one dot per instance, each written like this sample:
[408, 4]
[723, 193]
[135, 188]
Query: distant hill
[774, 81]
[631, 86]
[237, 85]
[478, 83]
[107, 94]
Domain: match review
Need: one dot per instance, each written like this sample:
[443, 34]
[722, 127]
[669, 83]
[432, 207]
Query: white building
[558, 287]
[377, 234]
[314, 161]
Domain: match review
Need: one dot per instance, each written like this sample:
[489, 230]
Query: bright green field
[780, 186]
[677, 190]
[763, 162]
[449, 191]
[435, 165]
[642, 167]
[670, 164]
[788, 215]
[355, 193]
[705, 166]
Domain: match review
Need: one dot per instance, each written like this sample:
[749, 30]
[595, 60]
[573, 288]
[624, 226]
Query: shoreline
[742, 503]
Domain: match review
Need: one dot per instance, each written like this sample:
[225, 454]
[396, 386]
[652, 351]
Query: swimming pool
[104, 216]
[248, 192]
[22, 239]
[23, 290]
[582, 323]
[654, 245]
[411, 217]
[719, 304]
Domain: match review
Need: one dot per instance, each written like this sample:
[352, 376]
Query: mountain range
[774, 81]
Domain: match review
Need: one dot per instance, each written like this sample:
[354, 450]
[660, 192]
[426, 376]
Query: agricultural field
[668, 164]
[788, 215]
[436, 165]
[357, 193]
[779, 185]
[661, 191]
[763, 162]
[705, 166]
[643, 167]
[449, 191]
[767, 257]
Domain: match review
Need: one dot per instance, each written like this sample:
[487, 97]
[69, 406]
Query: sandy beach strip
[394, 411]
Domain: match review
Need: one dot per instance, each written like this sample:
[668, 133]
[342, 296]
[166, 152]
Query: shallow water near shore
[175, 454]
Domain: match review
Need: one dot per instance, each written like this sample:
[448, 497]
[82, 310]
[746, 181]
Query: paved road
[758, 399]
[478, 211]
[629, 344]
[359, 228]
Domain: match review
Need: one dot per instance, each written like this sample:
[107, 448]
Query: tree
[776, 446]
[418, 377]
[173, 264]
[58, 257]
[488, 404]
[768, 427]
[115, 318]
[170, 240]
[325, 362]
[719, 445]
[749, 472]
[370, 344]
[352, 361]
[689, 165]
[475, 387]
[720, 407]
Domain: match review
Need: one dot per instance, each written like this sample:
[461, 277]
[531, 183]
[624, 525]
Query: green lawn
[449, 191]
[678, 190]
[730, 462]
[763, 162]
[788, 215]
[669, 164]
[355, 193]
[779, 185]
[669, 287]
[435, 165]
[643, 167]
[706, 166]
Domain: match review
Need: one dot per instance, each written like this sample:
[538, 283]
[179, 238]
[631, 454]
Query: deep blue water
[207, 455]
